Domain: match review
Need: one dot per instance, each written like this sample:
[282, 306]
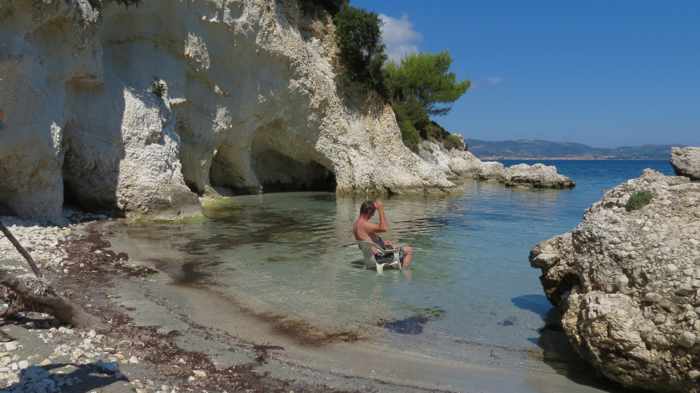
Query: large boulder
[686, 161]
[463, 162]
[492, 170]
[536, 176]
[627, 283]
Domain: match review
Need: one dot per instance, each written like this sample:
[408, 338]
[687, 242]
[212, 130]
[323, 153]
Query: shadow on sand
[82, 378]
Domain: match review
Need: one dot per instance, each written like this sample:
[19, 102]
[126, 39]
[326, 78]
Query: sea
[470, 286]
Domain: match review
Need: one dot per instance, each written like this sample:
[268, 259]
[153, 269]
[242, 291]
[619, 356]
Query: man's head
[367, 209]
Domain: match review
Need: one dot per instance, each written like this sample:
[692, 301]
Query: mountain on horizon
[541, 149]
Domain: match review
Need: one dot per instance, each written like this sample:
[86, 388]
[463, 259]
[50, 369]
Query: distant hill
[539, 149]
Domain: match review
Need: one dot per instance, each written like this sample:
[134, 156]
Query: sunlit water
[288, 254]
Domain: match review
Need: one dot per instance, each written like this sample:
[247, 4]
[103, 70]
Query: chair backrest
[368, 253]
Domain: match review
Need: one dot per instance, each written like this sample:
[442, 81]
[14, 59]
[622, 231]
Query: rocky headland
[463, 164]
[627, 281]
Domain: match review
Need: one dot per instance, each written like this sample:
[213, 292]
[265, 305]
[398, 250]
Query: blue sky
[605, 73]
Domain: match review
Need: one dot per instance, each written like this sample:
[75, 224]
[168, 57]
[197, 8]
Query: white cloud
[489, 81]
[494, 80]
[399, 37]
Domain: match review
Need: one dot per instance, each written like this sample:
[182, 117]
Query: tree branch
[20, 249]
[39, 295]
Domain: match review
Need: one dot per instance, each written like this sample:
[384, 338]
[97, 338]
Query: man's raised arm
[383, 222]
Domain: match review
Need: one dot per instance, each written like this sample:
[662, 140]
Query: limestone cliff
[142, 108]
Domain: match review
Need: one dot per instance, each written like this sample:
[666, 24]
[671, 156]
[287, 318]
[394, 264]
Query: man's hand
[378, 204]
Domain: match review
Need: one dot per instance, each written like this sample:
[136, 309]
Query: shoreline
[126, 357]
[152, 346]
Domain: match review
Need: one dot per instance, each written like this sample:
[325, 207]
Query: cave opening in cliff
[86, 186]
[270, 171]
[77, 198]
[277, 172]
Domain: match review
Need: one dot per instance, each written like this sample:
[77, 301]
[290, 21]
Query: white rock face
[459, 163]
[435, 154]
[453, 162]
[686, 161]
[463, 163]
[537, 176]
[491, 170]
[628, 284]
[135, 108]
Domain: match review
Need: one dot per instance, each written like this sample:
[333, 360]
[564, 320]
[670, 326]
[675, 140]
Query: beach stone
[622, 281]
[686, 161]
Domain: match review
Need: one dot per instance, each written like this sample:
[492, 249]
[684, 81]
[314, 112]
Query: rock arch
[274, 159]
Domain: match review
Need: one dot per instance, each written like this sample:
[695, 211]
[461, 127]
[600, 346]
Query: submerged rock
[686, 161]
[627, 283]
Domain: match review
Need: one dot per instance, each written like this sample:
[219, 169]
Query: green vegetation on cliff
[332, 6]
[359, 38]
[638, 200]
[419, 87]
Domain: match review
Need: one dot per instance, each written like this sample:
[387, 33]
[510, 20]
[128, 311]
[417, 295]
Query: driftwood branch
[40, 296]
[20, 249]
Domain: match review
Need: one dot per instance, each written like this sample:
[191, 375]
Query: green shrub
[421, 86]
[425, 77]
[409, 134]
[159, 87]
[638, 200]
[332, 6]
[453, 142]
[411, 110]
[129, 2]
[359, 38]
[433, 131]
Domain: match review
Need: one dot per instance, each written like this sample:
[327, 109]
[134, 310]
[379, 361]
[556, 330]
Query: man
[368, 231]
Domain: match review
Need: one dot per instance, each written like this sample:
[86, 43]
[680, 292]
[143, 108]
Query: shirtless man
[369, 231]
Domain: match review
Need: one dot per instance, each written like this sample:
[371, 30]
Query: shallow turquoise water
[288, 254]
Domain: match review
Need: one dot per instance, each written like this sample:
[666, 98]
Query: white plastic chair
[370, 252]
